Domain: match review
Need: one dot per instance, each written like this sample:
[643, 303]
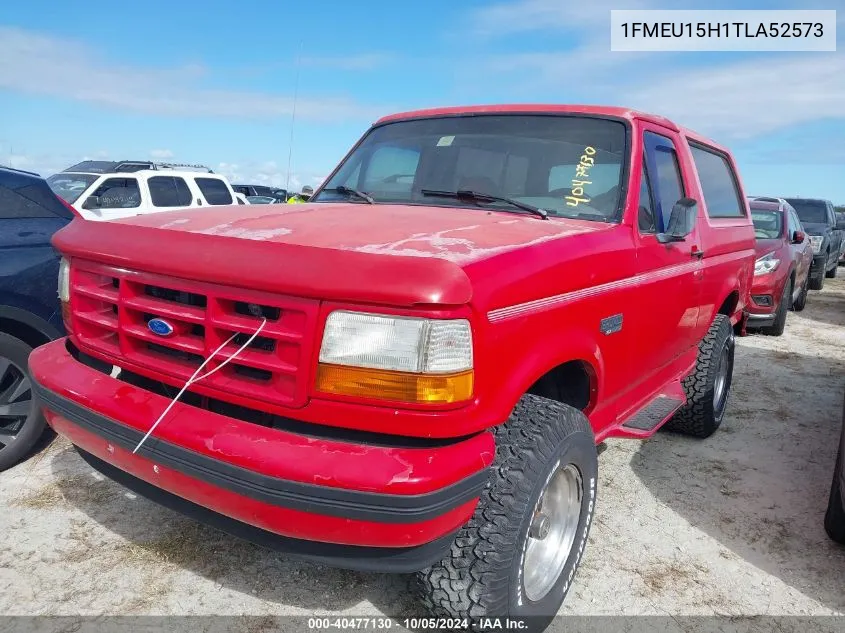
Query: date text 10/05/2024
[417, 624]
[723, 29]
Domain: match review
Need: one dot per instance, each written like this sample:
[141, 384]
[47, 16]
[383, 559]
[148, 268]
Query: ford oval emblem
[160, 327]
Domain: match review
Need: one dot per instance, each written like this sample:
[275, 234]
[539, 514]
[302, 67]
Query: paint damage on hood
[457, 235]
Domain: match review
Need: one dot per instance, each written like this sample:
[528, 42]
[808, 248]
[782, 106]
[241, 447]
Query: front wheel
[709, 385]
[518, 554]
[831, 274]
[21, 421]
[817, 281]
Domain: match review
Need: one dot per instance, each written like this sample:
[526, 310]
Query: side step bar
[653, 413]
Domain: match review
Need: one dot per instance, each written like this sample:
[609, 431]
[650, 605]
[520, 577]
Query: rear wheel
[21, 421]
[519, 552]
[709, 385]
[777, 328]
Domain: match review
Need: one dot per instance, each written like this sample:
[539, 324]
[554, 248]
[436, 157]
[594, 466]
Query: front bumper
[766, 293]
[365, 506]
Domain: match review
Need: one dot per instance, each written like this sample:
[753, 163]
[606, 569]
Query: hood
[764, 247]
[454, 234]
[815, 229]
[387, 254]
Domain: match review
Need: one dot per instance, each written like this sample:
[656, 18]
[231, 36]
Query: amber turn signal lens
[394, 385]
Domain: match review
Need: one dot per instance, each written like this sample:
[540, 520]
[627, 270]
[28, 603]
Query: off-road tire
[481, 576]
[834, 520]
[801, 302]
[831, 274]
[699, 417]
[17, 351]
[777, 328]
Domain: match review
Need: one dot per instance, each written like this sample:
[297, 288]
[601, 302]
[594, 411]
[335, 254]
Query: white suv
[106, 190]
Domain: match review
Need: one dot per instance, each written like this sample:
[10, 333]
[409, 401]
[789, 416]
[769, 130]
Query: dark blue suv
[29, 305]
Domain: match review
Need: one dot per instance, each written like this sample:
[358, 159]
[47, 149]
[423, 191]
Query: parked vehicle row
[102, 190]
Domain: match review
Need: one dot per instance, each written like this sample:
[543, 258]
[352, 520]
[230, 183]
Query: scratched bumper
[289, 485]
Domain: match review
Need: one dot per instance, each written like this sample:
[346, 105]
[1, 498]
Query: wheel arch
[26, 326]
[571, 355]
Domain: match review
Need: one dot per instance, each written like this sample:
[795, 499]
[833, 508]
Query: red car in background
[782, 268]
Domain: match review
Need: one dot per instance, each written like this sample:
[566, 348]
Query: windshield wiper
[349, 192]
[477, 196]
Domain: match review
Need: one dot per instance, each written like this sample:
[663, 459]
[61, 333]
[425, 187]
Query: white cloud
[161, 153]
[39, 64]
[749, 98]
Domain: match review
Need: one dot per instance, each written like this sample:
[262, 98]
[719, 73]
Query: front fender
[527, 362]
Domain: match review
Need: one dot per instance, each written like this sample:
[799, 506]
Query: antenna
[293, 115]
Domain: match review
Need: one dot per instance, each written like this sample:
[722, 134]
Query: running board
[653, 413]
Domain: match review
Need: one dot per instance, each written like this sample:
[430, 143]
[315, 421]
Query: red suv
[782, 269]
[412, 371]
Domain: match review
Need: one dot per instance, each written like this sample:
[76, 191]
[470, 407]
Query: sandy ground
[731, 525]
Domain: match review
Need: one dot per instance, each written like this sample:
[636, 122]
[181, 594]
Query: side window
[645, 210]
[169, 191]
[718, 184]
[15, 206]
[391, 169]
[214, 190]
[662, 162]
[791, 227]
[115, 193]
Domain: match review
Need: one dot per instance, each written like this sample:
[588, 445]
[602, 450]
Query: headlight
[64, 280]
[396, 358]
[816, 241]
[766, 264]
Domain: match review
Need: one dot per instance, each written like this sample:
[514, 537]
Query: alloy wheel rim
[15, 401]
[552, 532]
[720, 387]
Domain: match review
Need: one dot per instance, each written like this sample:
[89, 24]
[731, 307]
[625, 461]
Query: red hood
[388, 254]
[457, 235]
[764, 247]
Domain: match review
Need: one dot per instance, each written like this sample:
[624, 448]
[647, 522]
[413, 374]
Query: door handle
[697, 252]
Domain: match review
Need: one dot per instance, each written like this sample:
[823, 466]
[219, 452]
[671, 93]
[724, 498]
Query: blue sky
[215, 83]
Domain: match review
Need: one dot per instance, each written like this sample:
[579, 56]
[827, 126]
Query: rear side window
[718, 184]
[214, 190]
[15, 206]
[169, 191]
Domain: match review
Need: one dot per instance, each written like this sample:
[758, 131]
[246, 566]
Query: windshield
[810, 211]
[767, 223]
[571, 166]
[70, 186]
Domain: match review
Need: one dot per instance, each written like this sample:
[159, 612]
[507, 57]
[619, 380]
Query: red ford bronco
[472, 302]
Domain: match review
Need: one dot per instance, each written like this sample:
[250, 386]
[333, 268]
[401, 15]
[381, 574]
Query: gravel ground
[731, 525]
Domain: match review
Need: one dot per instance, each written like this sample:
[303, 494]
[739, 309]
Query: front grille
[111, 309]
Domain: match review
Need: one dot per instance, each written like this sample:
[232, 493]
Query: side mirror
[92, 202]
[681, 222]
[798, 237]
